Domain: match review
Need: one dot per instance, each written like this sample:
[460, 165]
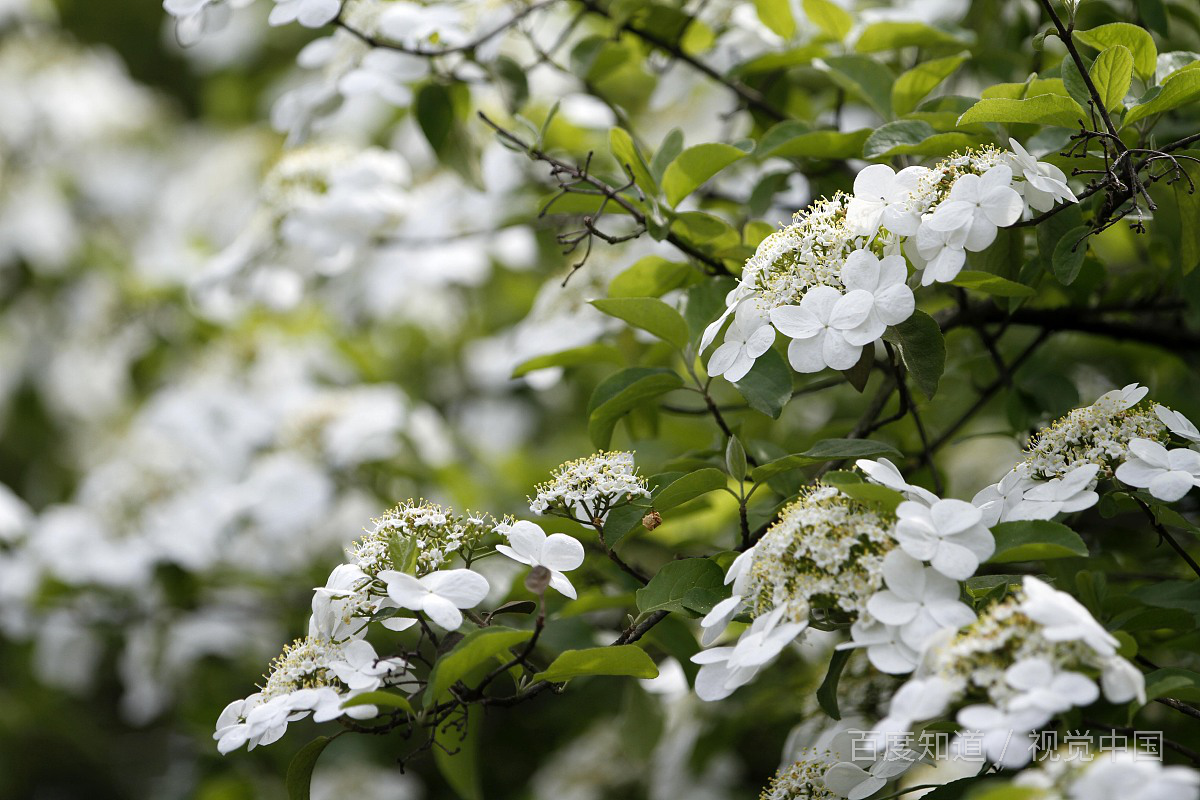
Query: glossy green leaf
[922, 349]
[1174, 682]
[795, 140]
[652, 276]
[991, 284]
[626, 660]
[630, 158]
[832, 19]
[587, 354]
[649, 314]
[1189, 209]
[864, 77]
[300, 770]
[777, 15]
[668, 151]
[689, 487]
[1137, 40]
[618, 394]
[477, 648]
[827, 692]
[381, 699]
[695, 165]
[767, 387]
[1042, 109]
[1069, 253]
[913, 137]
[892, 35]
[666, 590]
[1112, 75]
[1035, 540]
[1179, 90]
[822, 451]
[915, 84]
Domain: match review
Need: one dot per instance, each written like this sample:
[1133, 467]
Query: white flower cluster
[844, 769]
[1115, 775]
[435, 533]
[588, 488]
[837, 277]
[1026, 660]
[826, 551]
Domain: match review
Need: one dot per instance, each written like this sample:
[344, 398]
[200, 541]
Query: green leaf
[381, 699]
[1138, 41]
[777, 15]
[882, 36]
[587, 354]
[666, 590]
[650, 314]
[689, 487]
[796, 140]
[1112, 75]
[922, 349]
[456, 753]
[300, 770]
[827, 692]
[1069, 253]
[668, 151]
[694, 166]
[861, 76]
[625, 660]
[1176, 682]
[913, 86]
[630, 158]
[1074, 83]
[767, 387]
[618, 394]
[1189, 209]
[831, 18]
[735, 459]
[1180, 89]
[873, 494]
[1035, 540]
[991, 284]
[822, 451]
[1043, 109]
[913, 137]
[476, 648]
[652, 276]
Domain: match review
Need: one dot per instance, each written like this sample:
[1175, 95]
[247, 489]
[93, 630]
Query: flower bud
[652, 520]
[537, 580]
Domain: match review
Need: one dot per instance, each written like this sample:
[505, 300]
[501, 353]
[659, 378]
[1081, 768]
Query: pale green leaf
[626, 660]
[1042, 109]
[649, 314]
[694, 166]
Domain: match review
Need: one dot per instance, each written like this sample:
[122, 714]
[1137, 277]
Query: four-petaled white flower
[949, 534]
[938, 254]
[884, 197]
[918, 699]
[748, 337]
[1001, 500]
[1166, 474]
[558, 552]
[863, 770]
[1124, 398]
[885, 648]
[1044, 185]
[1072, 492]
[439, 595]
[361, 669]
[1043, 690]
[918, 600]
[724, 669]
[1178, 424]
[892, 301]
[885, 473]
[195, 18]
[817, 328]
[1002, 735]
[978, 204]
[1063, 618]
[309, 13]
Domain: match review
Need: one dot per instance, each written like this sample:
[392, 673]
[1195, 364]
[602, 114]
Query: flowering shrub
[823, 309]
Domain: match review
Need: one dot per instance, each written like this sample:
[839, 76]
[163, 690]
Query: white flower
[978, 204]
[863, 770]
[1122, 682]
[309, 13]
[232, 731]
[1000, 500]
[885, 473]
[948, 534]
[724, 669]
[1178, 424]
[816, 328]
[361, 669]
[918, 699]
[919, 600]
[717, 620]
[1063, 618]
[748, 337]
[1044, 691]
[1045, 184]
[1123, 774]
[439, 595]
[882, 196]
[1004, 736]
[892, 301]
[1124, 398]
[885, 648]
[1072, 492]
[336, 605]
[1167, 474]
[732, 300]
[557, 552]
[195, 18]
[384, 74]
[938, 254]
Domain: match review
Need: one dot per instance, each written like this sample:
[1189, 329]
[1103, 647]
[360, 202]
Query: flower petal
[462, 587]
[562, 552]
